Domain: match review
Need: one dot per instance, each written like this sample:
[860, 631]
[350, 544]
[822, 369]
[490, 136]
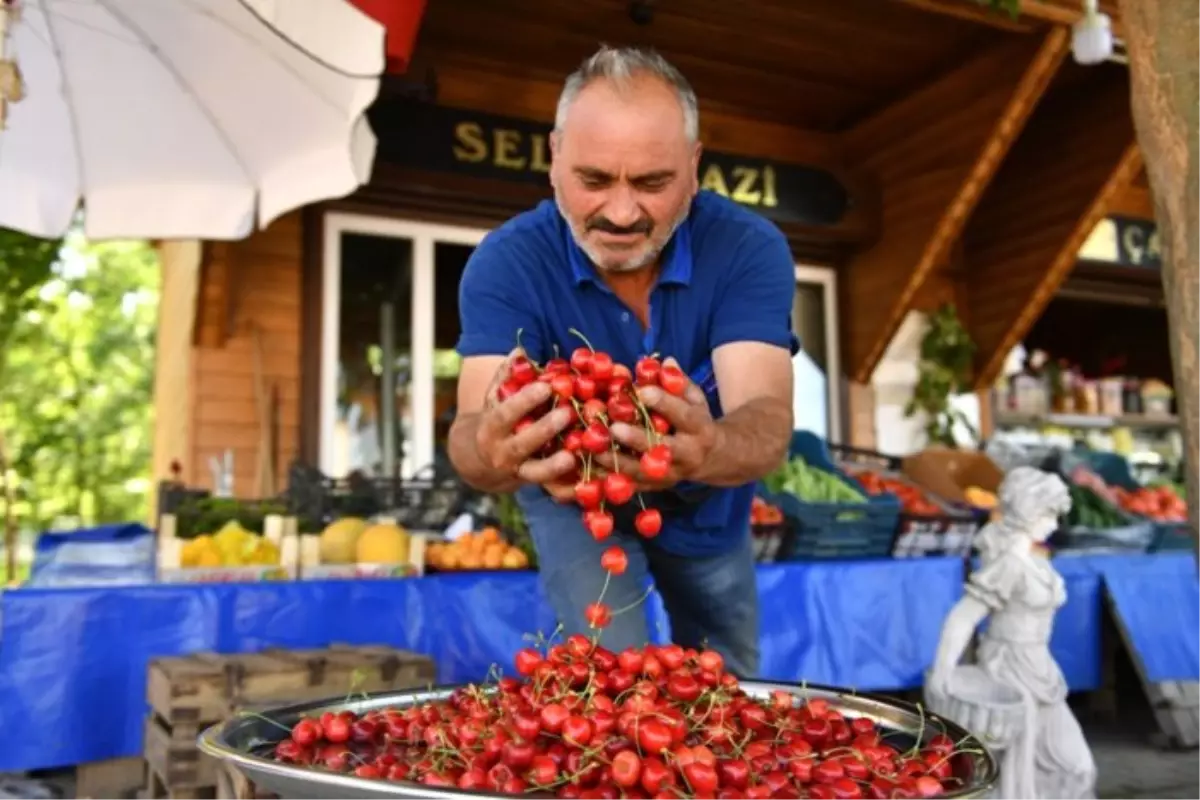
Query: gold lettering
[744, 192]
[538, 161]
[471, 146]
[506, 145]
[714, 181]
[769, 199]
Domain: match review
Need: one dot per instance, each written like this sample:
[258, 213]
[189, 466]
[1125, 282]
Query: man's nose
[623, 210]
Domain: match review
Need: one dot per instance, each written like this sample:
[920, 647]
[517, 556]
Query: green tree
[25, 264]
[76, 400]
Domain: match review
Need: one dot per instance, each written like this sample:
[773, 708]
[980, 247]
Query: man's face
[624, 172]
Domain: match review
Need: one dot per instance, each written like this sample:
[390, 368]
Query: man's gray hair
[619, 65]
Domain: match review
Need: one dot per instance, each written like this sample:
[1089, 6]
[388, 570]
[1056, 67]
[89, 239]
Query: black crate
[197, 511]
[429, 501]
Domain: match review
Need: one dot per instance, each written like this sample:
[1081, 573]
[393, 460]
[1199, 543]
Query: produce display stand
[834, 529]
[188, 694]
[278, 529]
[950, 532]
[313, 568]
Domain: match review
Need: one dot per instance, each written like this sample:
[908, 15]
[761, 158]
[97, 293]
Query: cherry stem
[647, 424]
[641, 502]
[604, 588]
[635, 603]
[574, 332]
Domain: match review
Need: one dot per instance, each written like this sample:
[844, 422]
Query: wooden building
[913, 151]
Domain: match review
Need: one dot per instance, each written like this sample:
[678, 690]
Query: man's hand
[695, 436]
[506, 450]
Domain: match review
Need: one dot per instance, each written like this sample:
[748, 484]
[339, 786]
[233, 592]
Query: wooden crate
[187, 694]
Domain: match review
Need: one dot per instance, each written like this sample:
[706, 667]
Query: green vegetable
[1090, 510]
[811, 484]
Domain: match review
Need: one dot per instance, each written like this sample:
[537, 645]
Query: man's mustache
[643, 226]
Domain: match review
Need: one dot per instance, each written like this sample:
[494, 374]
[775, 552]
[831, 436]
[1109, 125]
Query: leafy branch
[944, 370]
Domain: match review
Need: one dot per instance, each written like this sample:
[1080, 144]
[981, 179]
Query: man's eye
[595, 183]
[656, 185]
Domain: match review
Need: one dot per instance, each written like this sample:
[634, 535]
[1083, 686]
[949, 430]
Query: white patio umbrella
[181, 118]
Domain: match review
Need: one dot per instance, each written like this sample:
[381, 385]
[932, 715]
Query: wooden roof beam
[1074, 160]
[935, 152]
[1031, 14]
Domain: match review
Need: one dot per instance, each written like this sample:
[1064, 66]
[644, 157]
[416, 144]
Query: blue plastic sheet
[111, 555]
[1158, 601]
[74, 660]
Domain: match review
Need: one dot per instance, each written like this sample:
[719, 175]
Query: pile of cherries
[599, 392]
[659, 722]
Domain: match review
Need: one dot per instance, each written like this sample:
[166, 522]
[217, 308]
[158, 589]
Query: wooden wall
[248, 288]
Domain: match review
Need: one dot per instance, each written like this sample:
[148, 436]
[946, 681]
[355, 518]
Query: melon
[383, 543]
[339, 540]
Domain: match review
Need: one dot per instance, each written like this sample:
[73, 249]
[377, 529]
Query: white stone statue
[1015, 696]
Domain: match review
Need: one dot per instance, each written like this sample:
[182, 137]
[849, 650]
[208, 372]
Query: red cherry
[589, 493]
[563, 386]
[581, 360]
[507, 389]
[656, 462]
[614, 560]
[596, 438]
[522, 371]
[602, 366]
[672, 380]
[598, 615]
[599, 524]
[557, 366]
[618, 488]
[647, 370]
[585, 387]
[593, 410]
[621, 408]
[648, 522]
[660, 424]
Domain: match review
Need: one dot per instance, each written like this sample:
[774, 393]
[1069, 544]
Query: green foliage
[944, 370]
[77, 388]
[1010, 7]
[25, 264]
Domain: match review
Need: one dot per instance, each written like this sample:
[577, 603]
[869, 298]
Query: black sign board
[1137, 243]
[437, 138]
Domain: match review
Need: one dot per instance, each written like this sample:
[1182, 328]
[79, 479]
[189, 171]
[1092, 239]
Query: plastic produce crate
[949, 533]
[834, 530]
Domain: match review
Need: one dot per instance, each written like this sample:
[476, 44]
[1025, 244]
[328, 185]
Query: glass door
[389, 325]
[816, 400]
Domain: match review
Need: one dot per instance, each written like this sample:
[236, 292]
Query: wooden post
[1161, 39]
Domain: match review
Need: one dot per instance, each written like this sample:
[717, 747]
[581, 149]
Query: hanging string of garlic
[12, 89]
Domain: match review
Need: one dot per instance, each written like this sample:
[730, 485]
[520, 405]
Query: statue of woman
[1019, 589]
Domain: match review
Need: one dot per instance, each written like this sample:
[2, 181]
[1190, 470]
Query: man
[639, 261]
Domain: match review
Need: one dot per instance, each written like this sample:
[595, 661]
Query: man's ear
[695, 167]
[555, 144]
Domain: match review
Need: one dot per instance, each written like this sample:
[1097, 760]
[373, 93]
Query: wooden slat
[1133, 201]
[260, 287]
[1076, 156]
[936, 152]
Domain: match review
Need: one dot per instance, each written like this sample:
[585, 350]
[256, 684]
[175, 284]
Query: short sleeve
[756, 301]
[995, 584]
[494, 303]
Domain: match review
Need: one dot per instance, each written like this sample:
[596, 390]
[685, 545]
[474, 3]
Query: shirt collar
[676, 259]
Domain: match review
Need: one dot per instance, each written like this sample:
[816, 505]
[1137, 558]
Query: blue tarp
[1158, 601]
[74, 660]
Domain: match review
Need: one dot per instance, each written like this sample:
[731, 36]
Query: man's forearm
[465, 458]
[751, 442]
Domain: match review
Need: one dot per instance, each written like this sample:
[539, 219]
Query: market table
[73, 661]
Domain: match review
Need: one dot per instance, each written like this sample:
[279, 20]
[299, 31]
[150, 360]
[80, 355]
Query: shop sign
[1137, 243]
[436, 138]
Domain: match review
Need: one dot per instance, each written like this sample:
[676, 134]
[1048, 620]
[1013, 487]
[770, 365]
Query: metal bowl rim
[212, 742]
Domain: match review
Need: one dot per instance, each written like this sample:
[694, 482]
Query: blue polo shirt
[727, 276]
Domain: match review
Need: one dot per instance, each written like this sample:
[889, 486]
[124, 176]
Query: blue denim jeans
[711, 601]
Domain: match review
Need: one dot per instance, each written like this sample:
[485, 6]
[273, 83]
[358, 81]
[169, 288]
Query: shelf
[1012, 419]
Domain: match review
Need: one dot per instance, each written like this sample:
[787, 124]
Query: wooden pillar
[179, 262]
[1161, 37]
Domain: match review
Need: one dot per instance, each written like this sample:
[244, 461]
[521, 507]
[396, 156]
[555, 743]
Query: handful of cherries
[599, 392]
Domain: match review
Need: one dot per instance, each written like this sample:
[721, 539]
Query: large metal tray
[244, 741]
